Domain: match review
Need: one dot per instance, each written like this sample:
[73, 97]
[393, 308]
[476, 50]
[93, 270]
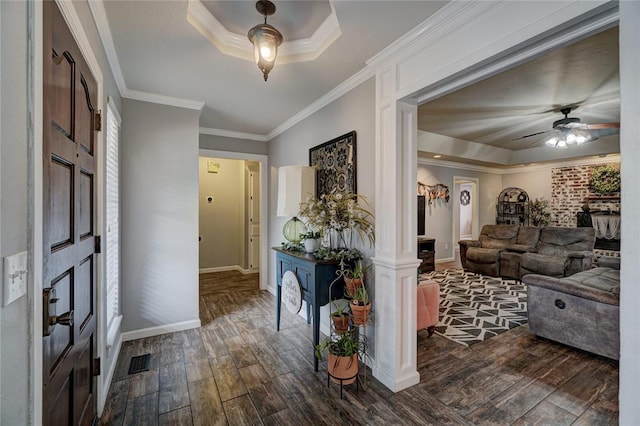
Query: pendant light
[265, 39]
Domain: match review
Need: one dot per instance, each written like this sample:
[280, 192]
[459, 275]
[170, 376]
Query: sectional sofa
[512, 251]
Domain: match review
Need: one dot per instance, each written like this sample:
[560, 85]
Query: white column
[630, 245]
[396, 227]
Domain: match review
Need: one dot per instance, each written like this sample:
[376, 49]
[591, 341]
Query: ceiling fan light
[552, 141]
[580, 139]
[562, 144]
[571, 138]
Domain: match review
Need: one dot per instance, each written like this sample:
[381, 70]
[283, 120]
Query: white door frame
[457, 180]
[262, 159]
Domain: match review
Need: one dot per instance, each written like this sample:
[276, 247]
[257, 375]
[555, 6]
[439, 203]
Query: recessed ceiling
[527, 99]
[160, 52]
[294, 19]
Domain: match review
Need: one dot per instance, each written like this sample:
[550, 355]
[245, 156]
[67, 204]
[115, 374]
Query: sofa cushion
[528, 236]
[598, 284]
[498, 236]
[483, 255]
[540, 264]
[555, 241]
[601, 278]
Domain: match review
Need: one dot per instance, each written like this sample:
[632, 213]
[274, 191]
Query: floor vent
[139, 363]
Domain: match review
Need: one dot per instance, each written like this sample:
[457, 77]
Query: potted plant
[340, 318]
[539, 213]
[355, 277]
[343, 351]
[360, 306]
[310, 240]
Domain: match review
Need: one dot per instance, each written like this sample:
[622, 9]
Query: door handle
[48, 305]
[64, 319]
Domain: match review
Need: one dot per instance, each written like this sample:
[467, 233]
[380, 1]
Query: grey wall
[222, 223]
[352, 111]
[14, 319]
[537, 183]
[221, 143]
[159, 172]
[439, 214]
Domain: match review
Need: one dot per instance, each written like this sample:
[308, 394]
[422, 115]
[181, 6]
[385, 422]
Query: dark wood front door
[69, 209]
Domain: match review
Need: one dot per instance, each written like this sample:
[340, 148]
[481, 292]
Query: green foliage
[341, 310]
[358, 269]
[325, 253]
[539, 215]
[311, 235]
[292, 246]
[361, 296]
[346, 344]
[605, 180]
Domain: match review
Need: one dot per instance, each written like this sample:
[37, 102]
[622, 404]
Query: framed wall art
[335, 163]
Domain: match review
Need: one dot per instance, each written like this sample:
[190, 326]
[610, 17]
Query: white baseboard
[161, 329]
[229, 268]
[446, 259]
[106, 383]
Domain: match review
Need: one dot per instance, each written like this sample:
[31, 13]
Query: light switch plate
[15, 277]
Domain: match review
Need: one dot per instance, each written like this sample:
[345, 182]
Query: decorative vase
[360, 312]
[310, 245]
[343, 368]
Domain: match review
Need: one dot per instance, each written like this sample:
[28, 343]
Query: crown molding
[342, 89]
[449, 18]
[104, 31]
[239, 46]
[232, 134]
[522, 168]
[138, 95]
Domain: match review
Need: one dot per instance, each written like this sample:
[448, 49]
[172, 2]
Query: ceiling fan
[570, 131]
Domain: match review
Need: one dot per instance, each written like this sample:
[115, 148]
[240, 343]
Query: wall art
[335, 163]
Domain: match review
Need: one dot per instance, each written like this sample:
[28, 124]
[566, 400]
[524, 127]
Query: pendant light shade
[265, 39]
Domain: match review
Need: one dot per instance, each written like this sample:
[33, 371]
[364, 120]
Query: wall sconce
[295, 185]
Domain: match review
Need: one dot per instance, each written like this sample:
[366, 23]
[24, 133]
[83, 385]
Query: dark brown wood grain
[246, 373]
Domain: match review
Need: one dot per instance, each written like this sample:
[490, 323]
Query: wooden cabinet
[426, 253]
[513, 207]
[315, 277]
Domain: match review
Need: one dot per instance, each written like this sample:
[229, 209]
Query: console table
[314, 276]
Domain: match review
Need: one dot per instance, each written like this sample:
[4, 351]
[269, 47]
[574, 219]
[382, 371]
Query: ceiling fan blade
[604, 132]
[603, 126]
[532, 134]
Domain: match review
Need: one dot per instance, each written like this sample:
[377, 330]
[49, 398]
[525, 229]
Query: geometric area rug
[474, 308]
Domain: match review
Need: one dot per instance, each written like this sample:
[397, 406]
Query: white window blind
[112, 243]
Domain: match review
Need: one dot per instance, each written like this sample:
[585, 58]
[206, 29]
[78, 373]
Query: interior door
[69, 209]
[254, 215]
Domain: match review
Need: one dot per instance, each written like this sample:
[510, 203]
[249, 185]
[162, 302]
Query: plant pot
[310, 245]
[343, 367]
[352, 285]
[360, 313]
[340, 323]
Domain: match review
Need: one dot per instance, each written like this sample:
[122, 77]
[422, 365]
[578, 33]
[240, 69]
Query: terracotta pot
[343, 367]
[340, 323]
[352, 285]
[360, 313]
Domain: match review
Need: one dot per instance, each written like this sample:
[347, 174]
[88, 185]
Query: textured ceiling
[528, 98]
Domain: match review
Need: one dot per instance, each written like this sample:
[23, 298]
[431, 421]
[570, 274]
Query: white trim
[475, 220]
[342, 89]
[114, 332]
[114, 109]
[163, 100]
[611, 158]
[108, 375]
[36, 214]
[445, 260]
[239, 46]
[264, 203]
[102, 23]
[228, 268]
[161, 329]
[232, 134]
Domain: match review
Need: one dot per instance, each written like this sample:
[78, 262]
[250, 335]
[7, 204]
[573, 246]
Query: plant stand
[359, 379]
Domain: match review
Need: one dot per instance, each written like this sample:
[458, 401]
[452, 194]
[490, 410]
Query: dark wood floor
[236, 369]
